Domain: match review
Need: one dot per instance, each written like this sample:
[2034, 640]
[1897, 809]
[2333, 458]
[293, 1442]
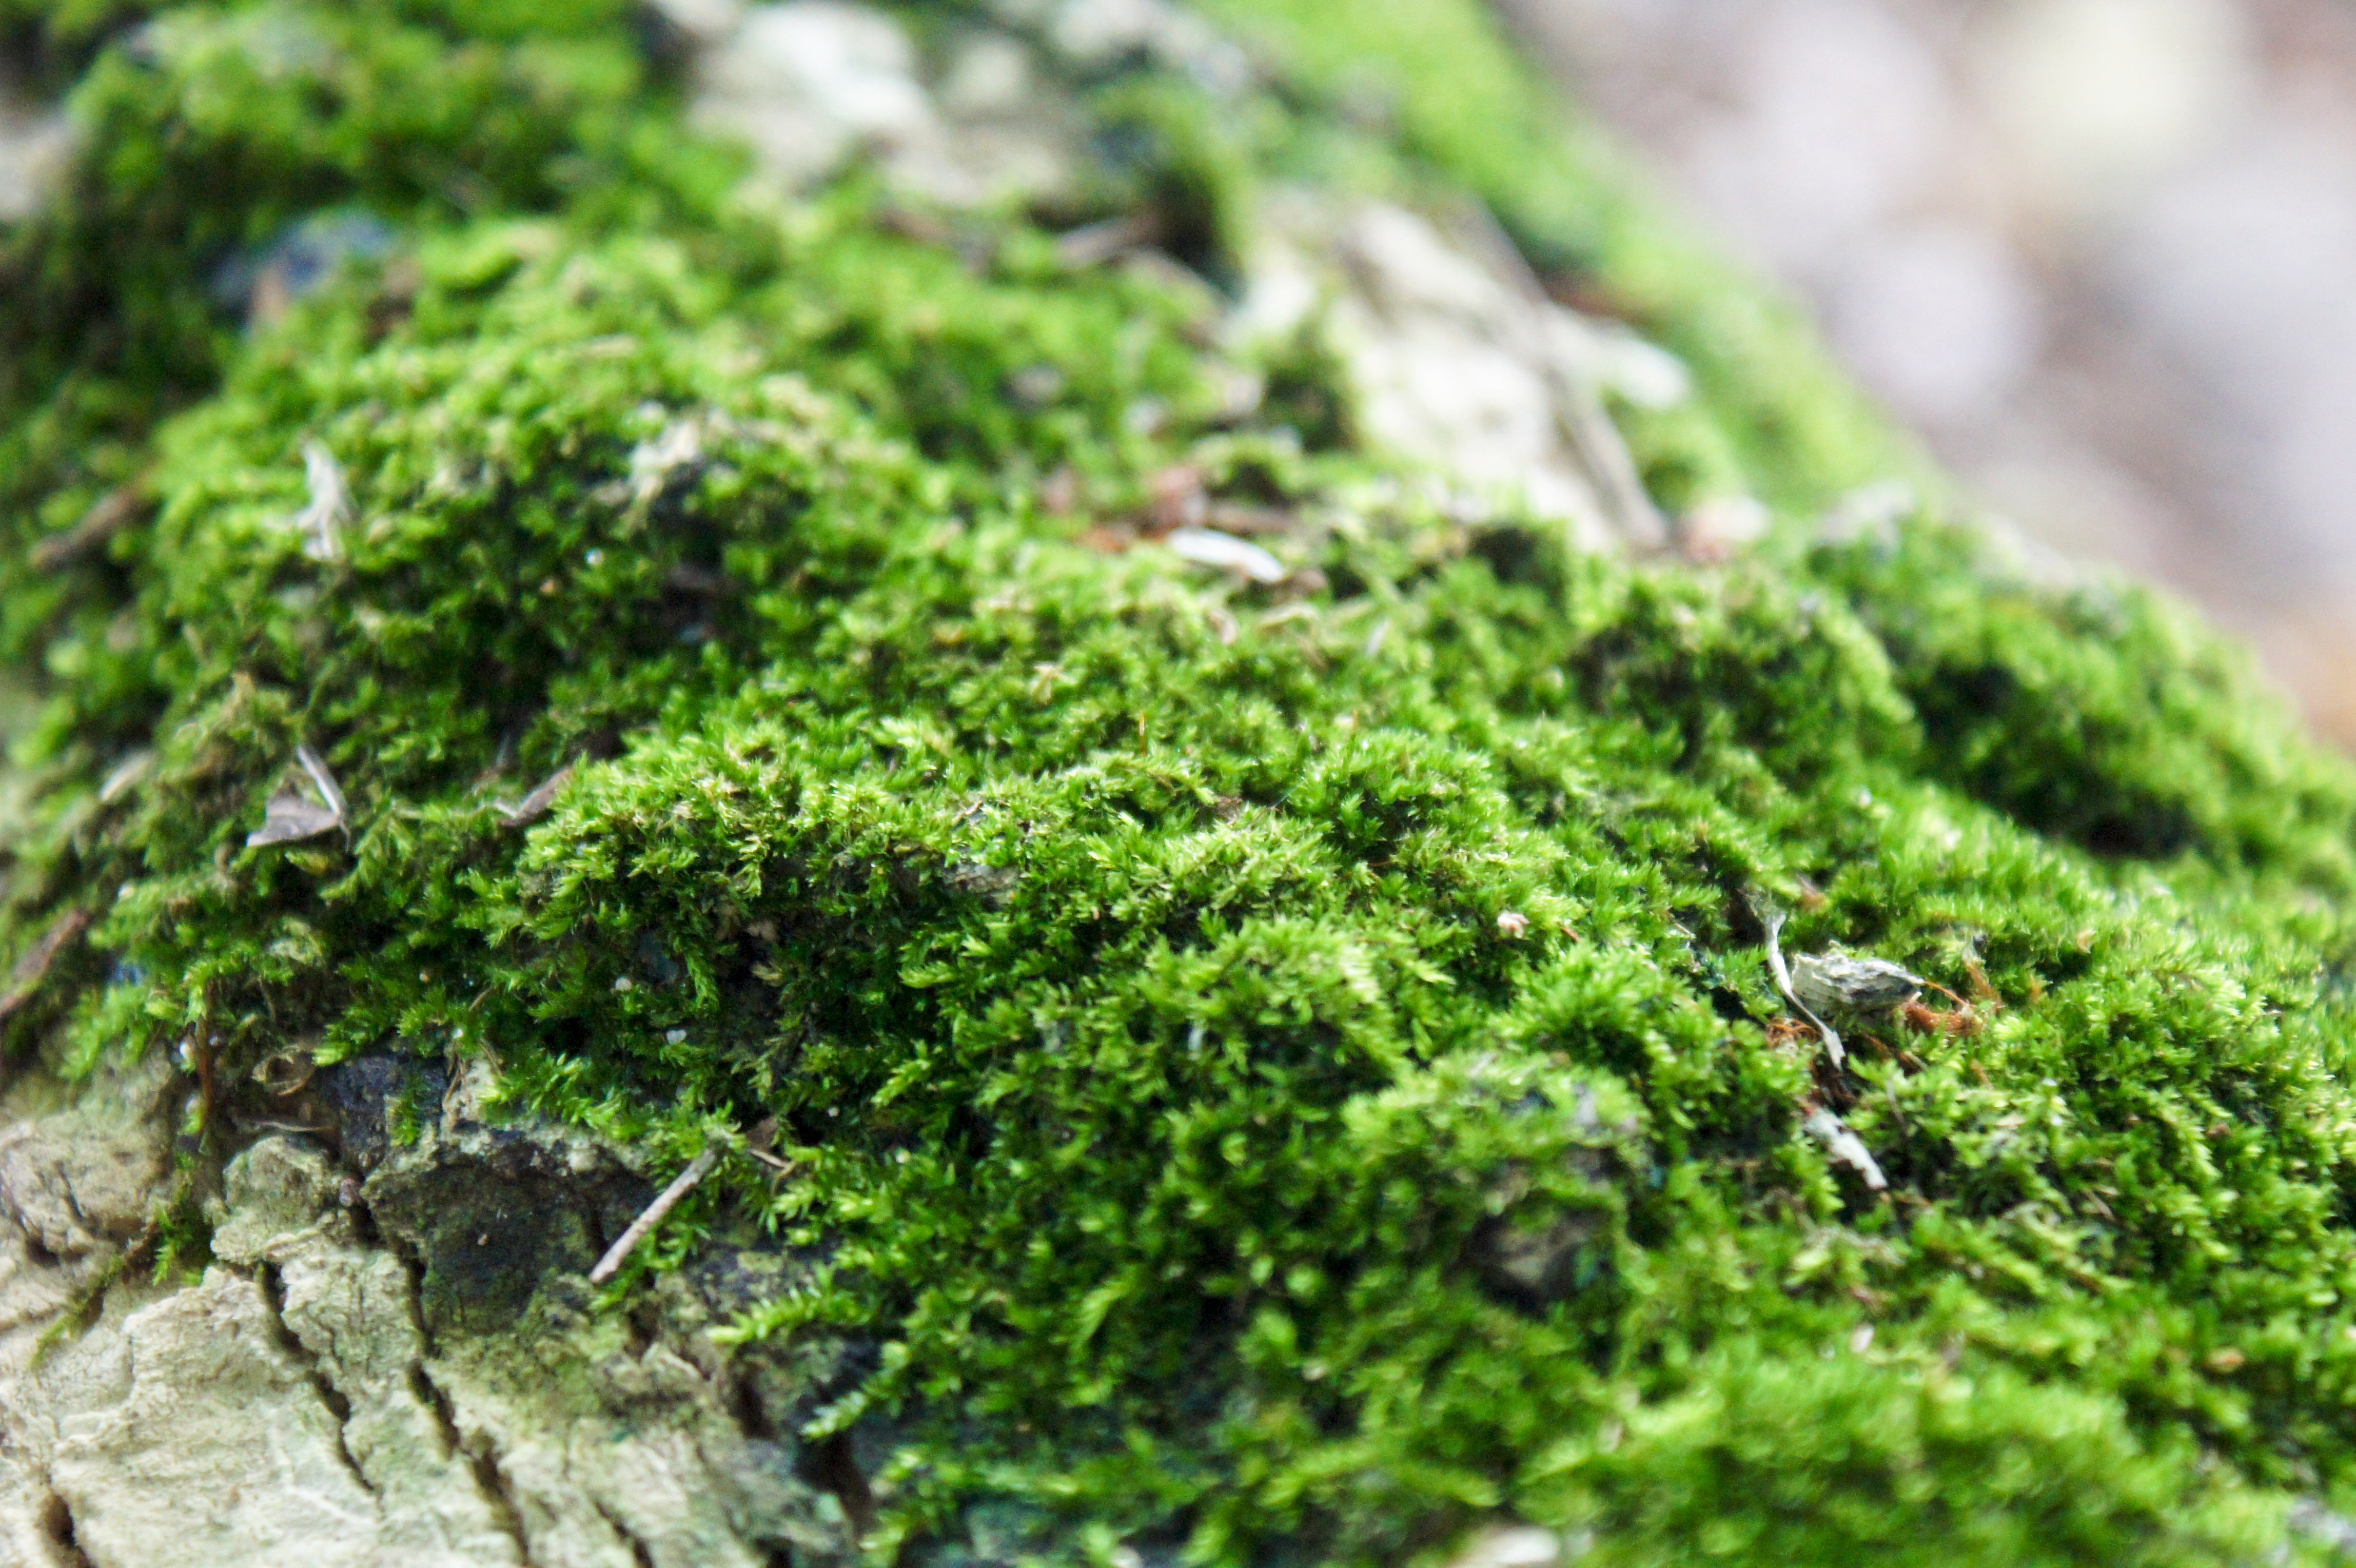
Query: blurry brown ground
[2102, 253]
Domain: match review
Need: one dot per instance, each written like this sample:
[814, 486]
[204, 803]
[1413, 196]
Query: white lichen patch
[1096, 34]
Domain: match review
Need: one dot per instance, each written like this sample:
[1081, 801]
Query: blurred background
[2100, 252]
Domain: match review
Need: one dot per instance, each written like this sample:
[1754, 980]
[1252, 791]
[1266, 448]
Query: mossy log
[1175, 688]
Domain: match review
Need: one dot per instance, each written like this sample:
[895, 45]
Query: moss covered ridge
[1278, 1070]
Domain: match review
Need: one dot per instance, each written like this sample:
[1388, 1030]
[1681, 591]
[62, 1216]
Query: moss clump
[1287, 1071]
[207, 130]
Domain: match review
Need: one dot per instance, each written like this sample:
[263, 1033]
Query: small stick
[534, 806]
[1844, 1146]
[109, 516]
[620, 1252]
[1096, 243]
[34, 966]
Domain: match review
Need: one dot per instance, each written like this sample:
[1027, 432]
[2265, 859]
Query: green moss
[209, 132]
[1285, 1071]
[1170, 156]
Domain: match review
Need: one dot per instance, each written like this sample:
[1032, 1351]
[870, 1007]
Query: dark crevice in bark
[415, 1265]
[363, 1217]
[751, 1415]
[835, 1467]
[642, 1327]
[58, 1524]
[598, 1239]
[274, 1292]
[93, 1227]
[639, 1553]
[481, 1455]
[446, 1418]
[493, 1483]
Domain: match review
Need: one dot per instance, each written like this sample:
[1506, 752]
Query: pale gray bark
[401, 1369]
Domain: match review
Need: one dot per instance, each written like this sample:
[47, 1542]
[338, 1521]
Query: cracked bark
[481, 1455]
[835, 1467]
[445, 1421]
[483, 1459]
[274, 1292]
[462, 1405]
[58, 1523]
[639, 1555]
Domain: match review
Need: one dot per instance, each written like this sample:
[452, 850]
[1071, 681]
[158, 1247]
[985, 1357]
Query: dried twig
[534, 806]
[1096, 243]
[123, 775]
[34, 966]
[106, 517]
[668, 1200]
[324, 780]
[1844, 1146]
[1963, 1019]
[1209, 547]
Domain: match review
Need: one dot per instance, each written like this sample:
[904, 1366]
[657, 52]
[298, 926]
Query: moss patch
[1283, 1072]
